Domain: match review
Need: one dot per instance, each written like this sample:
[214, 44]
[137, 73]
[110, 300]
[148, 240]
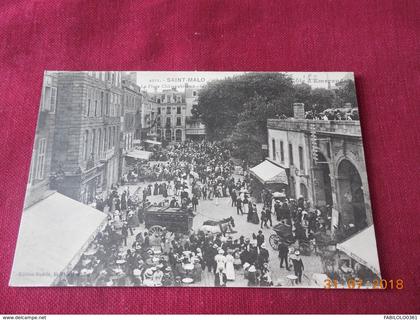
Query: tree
[303, 94]
[222, 101]
[321, 99]
[250, 133]
[346, 93]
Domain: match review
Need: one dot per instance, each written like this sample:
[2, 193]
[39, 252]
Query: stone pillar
[299, 111]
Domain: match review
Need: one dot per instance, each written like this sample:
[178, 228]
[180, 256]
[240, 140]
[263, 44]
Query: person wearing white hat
[297, 266]
[220, 260]
[252, 276]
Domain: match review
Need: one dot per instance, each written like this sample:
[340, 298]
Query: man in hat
[260, 238]
[239, 206]
[209, 256]
[124, 232]
[173, 202]
[268, 217]
[253, 254]
[277, 209]
[297, 266]
[283, 252]
[262, 255]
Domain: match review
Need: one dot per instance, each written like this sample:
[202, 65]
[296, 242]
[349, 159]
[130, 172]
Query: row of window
[100, 103]
[131, 101]
[169, 98]
[97, 141]
[111, 76]
[169, 110]
[167, 135]
[49, 99]
[128, 141]
[291, 160]
[37, 169]
[168, 122]
[128, 121]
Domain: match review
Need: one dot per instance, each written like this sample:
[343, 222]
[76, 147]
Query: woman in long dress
[220, 260]
[245, 207]
[230, 270]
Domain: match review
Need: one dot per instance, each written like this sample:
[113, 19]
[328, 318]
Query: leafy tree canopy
[221, 101]
[237, 108]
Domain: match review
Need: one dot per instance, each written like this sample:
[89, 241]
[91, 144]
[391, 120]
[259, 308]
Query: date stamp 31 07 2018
[352, 283]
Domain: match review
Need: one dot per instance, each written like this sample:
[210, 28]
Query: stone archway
[322, 182]
[351, 198]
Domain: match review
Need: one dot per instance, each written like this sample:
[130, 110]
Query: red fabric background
[378, 40]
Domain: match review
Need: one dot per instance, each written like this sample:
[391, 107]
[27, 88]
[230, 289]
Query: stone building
[131, 118]
[55, 230]
[40, 170]
[86, 143]
[168, 115]
[326, 164]
[148, 117]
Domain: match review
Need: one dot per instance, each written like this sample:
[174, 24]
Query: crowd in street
[195, 171]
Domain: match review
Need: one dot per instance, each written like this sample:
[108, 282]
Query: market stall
[362, 248]
[270, 176]
[53, 236]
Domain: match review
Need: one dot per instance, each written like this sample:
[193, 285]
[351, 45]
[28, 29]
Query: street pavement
[221, 208]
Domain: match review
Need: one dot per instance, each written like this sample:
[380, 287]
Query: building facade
[148, 118]
[40, 170]
[168, 115]
[86, 141]
[327, 165]
[130, 119]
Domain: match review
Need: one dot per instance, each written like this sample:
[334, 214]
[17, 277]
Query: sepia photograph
[197, 179]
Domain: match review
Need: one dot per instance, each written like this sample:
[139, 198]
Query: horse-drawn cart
[177, 220]
[283, 234]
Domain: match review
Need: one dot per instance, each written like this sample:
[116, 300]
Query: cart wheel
[156, 231]
[274, 241]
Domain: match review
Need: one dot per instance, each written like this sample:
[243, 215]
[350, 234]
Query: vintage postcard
[206, 179]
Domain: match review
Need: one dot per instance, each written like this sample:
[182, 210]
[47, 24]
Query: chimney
[299, 110]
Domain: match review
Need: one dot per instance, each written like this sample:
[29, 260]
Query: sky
[149, 80]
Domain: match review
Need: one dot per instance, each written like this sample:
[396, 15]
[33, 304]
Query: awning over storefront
[268, 172]
[53, 235]
[139, 154]
[152, 142]
[362, 248]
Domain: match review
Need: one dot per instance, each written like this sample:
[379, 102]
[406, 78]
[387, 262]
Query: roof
[153, 141]
[53, 235]
[165, 210]
[362, 248]
[139, 154]
[268, 172]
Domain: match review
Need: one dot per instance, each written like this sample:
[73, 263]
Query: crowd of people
[333, 114]
[194, 171]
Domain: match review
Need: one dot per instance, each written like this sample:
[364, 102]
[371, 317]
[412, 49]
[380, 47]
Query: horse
[221, 226]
